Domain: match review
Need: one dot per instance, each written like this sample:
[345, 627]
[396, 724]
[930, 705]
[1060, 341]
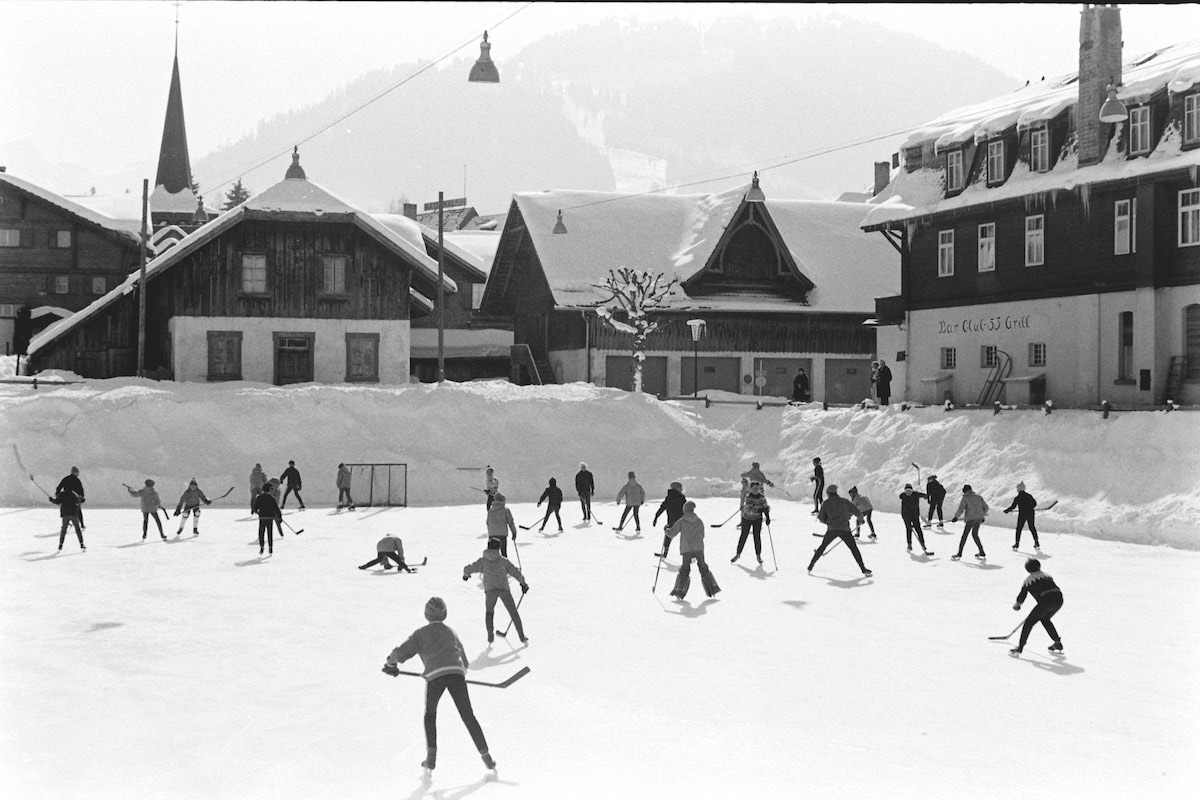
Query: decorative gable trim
[719, 274]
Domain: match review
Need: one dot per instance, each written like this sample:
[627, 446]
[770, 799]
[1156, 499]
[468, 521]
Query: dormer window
[1139, 130]
[1191, 119]
[1039, 150]
[954, 171]
[995, 162]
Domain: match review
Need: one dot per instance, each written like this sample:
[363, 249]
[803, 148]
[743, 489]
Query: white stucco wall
[189, 339]
[1171, 303]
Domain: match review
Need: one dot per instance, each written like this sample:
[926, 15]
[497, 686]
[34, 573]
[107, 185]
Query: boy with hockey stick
[754, 510]
[755, 473]
[690, 529]
[672, 505]
[291, 476]
[388, 549]
[150, 502]
[1049, 600]
[343, 487]
[835, 513]
[446, 664]
[973, 509]
[189, 503]
[258, 479]
[496, 569]
[863, 504]
[491, 486]
[936, 494]
[634, 495]
[1025, 504]
[68, 502]
[910, 512]
[500, 523]
[553, 499]
[272, 488]
[585, 487]
[72, 483]
[267, 508]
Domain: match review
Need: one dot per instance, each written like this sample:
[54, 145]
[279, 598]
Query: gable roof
[419, 234]
[677, 234]
[116, 228]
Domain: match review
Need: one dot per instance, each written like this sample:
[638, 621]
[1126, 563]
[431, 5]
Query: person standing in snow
[754, 510]
[690, 529]
[291, 476]
[818, 481]
[585, 487]
[835, 513]
[150, 502]
[1025, 504]
[189, 503]
[972, 508]
[863, 504]
[445, 663]
[1049, 600]
[500, 523]
[492, 486]
[634, 495]
[883, 383]
[496, 568]
[935, 493]
[68, 501]
[267, 508]
[343, 486]
[800, 387]
[553, 499]
[755, 473]
[72, 483]
[388, 549]
[672, 506]
[258, 479]
[910, 512]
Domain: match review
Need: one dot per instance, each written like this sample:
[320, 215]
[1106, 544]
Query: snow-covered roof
[922, 191]
[117, 227]
[182, 202]
[677, 234]
[479, 243]
[419, 234]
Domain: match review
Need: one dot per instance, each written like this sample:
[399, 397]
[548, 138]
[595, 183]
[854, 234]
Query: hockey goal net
[379, 484]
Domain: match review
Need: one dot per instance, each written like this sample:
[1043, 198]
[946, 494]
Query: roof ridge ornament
[755, 195]
[295, 171]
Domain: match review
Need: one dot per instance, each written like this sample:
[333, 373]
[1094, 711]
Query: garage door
[711, 373]
[847, 380]
[618, 373]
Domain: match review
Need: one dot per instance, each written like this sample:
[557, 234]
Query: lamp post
[697, 326]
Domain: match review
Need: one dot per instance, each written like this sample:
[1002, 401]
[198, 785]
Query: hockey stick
[504, 684]
[772, 541]
[731, 516]
[1048, 506]
[24, 469]
[222, 497]
[593, 516]
[529, 526]
[290, 528]
[517, 550]
[504, 632]
[1009, 634]
[918, 469]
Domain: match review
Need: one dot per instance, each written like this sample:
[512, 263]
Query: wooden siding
[808, 332]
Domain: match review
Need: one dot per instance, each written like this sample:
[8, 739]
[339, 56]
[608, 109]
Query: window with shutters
[1189, 218]
[60, 240]
[362, 357]
[333, 268]
[224, 355]
[1191, 118]
[1124, 227]
[995, 162]
[954, 170]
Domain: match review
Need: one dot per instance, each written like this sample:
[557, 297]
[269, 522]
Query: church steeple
[174, 166]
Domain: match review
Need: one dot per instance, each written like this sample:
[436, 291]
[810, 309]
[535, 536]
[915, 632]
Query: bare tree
[632, 296]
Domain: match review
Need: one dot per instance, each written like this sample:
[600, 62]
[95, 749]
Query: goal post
[379, 484]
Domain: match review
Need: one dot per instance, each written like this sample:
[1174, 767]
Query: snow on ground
[195, 669]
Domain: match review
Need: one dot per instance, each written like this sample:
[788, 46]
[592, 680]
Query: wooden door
[293, 358]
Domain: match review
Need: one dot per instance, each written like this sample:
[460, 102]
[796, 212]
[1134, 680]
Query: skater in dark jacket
[445, 670]
[150, 502]
[818, 482]
[672, 506]
[1049, 600]
[835, 514]
[910, 512]
[552, 497]
[690, 529]
[585, 487]
[291, 476]
[258, 479]
[499, 523]
[343, 487]
[496, 569]
[68, 502]
[634, 495]
[388, 549]
[268, 515]
[72, 483]
[936, 494]
[1025, 504]
[754, 511]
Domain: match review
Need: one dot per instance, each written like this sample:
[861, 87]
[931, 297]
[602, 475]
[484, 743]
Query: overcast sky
[86, 82]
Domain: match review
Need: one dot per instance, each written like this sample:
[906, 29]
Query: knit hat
[493, 543]
[908, 486]
[192, 482]
[631, 475]
[754, 484]
[258, 466]
[553, 482]
[831, 489]
[1020, 487]
[754, 465]
[149, 482]
[1032, 565]
[676, 485]
[853, 490]
[497, 498]
[967, 488]
[582, 465]
[689, 507]
[74, 470]
[435, 609]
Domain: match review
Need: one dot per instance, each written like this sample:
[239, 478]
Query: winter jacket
[495, 568]
[1039, 584]
[439, 648]
[633, 493]
[343, 478]
[755, 507]
[836, 512]
[692, 529]
[972, 507]
[883, 382]
[862, 503]
[756, 475]
[272, 488]
[68, 504]
[291, 476]
[672, 506]
[191, 498]
[1024, 502]
[584, 483]
[492, 484]
[149, 496]
[71, 483]
[258, 479]
[266, 506]
[390, 544]
[935, 491]
[910, 504]
[552, 497]
[500, 521]
[819, 476]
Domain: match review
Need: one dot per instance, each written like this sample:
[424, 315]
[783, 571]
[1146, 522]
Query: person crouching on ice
[445, 670]
[388, 549]
[1049, 600]
[691, 548]
[189, 503]
[496, 569]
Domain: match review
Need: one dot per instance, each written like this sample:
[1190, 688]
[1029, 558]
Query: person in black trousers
[291, 476]
[553, 499]
[268, 512]
[73, 484]
[818, 481]
[672, 506]
[800, 387]
[585, 487]
[1025, 504]
[936, 494]
[755, 509]
[68, 508]
[910, 512]
[1049, 600]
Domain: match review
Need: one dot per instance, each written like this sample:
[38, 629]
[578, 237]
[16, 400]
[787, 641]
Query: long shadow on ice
[758, 572]
[686, 609]
[1057, 665]
[796, 604]
[457, 792]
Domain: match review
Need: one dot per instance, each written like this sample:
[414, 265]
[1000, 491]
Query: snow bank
[1129, 478]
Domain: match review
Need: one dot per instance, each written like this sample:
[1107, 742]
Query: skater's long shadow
[686, 609]
[457, 792]
[56, 555]
[758, 572]
[581, 526]
[14, 511]
[796, 604]
[127, 546]
[924, 559]
[378, 511]
[629, 538]
[1039, 555]
[250, 563]
[177, 540]
[1057, 666]
[852, 583]
[103, 626]
[46, 535]
[981, 566]
[487, 659]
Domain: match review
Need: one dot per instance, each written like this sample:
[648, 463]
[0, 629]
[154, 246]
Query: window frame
[989, 356]
[1123, 234]
[212, 336]
[266, 272]
[954, 168]
[1039, 150]
[1139, 130]
[328, 260]
[6, 240]
[362, 336]
[54, 239]
[1125, 331]
[1036, 348]
[99, 285]
[948, 358]
[62, 284]
[1191, 118]
[979, 251]
[1037, 235]
[945, 264]
[995, 155]
[1188, 218]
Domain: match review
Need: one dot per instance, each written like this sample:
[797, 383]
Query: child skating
[972, 508]
[552, 497]
[496, 569]
[863, 504]
[1049, 600]
[634, 495]
[910, 512]
[690, 529]
[389, 549]
[1025, 504]
[835, 513]
[755, 510]
[189, 504]
[672, 506]
[150, 503]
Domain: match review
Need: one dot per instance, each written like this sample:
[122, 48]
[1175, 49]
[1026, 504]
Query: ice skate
[1057, 647]
[488, 761]
[430, 760]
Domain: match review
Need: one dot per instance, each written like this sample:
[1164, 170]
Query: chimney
[410, 210]
[1099, 65]
[895, 160]
[883, 176]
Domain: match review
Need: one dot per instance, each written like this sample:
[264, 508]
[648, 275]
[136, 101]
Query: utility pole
[141, 364]
[441, 295]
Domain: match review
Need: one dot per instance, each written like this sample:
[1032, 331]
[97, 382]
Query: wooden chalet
[292, 285]
[781, 285]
